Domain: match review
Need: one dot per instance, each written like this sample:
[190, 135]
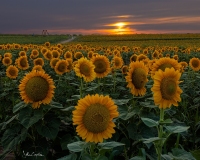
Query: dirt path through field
[68, 40]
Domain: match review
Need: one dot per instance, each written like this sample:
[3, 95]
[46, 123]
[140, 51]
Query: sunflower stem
[114, 80]
[159, 146]
[81, 88]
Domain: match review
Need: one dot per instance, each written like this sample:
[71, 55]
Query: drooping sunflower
[38, 61]
[37, 88]
[102, 66]
[7, 61]
[166, 90]
[22, 62]
[117, 62]
[137, 78]
[85, 69]
[164, 63]
[194, 63]
[61, 67]
[12, 72]
[94, 118]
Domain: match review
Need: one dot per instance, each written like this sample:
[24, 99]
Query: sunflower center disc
[165, 65]
[195, 63]
[13, 72]
[100, 66]
[168, 88]
[37, 88]
[23, 62]
[85, 69]
[62, 67]
[139, 78]
[96, 118]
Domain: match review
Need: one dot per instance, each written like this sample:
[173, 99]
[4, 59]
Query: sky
[99, 16]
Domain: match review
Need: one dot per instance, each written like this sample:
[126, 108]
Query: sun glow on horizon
[120, 28]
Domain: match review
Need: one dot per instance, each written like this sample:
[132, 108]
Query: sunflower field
[133, 97]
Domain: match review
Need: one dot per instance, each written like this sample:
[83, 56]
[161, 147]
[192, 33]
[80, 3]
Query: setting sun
[120, 28]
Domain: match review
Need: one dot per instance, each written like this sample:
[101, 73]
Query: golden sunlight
[120, 28]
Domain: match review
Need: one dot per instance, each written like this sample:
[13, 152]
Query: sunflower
[137, 78]
[70, 62]
[164, 63]
[194, 63]
[117, 62]
[12, 72]
[184, 64]
[22, 53]
[35, 53]
[7, 55]
[85, 68]
[61, 67]
[175, 57]
[165, 88]
[48, 55]
[155, 54]
[44, 50]
[53, 62]
[124, 69]
[22, 62]
[38, 68]
[78, 55]
[93, 116]
[68, 54]
[55, 54]
[142, 57]
[102, 66]
[90, 54]
[47, 44]
[133, 58]
[7, 61]
[37, 88]
[38, 61]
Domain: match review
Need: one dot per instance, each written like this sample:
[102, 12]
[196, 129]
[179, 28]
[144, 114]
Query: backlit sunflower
[93, 116]
[47, 44]
[137, 78]
[102, 66]
[7, 61]
[38, 61]
[22, 62]
[117, 62]
[194, 63]
[61, 67]
[166, 90]
[37, 88]
[164, 63]
[85, 69]
[12, 72]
